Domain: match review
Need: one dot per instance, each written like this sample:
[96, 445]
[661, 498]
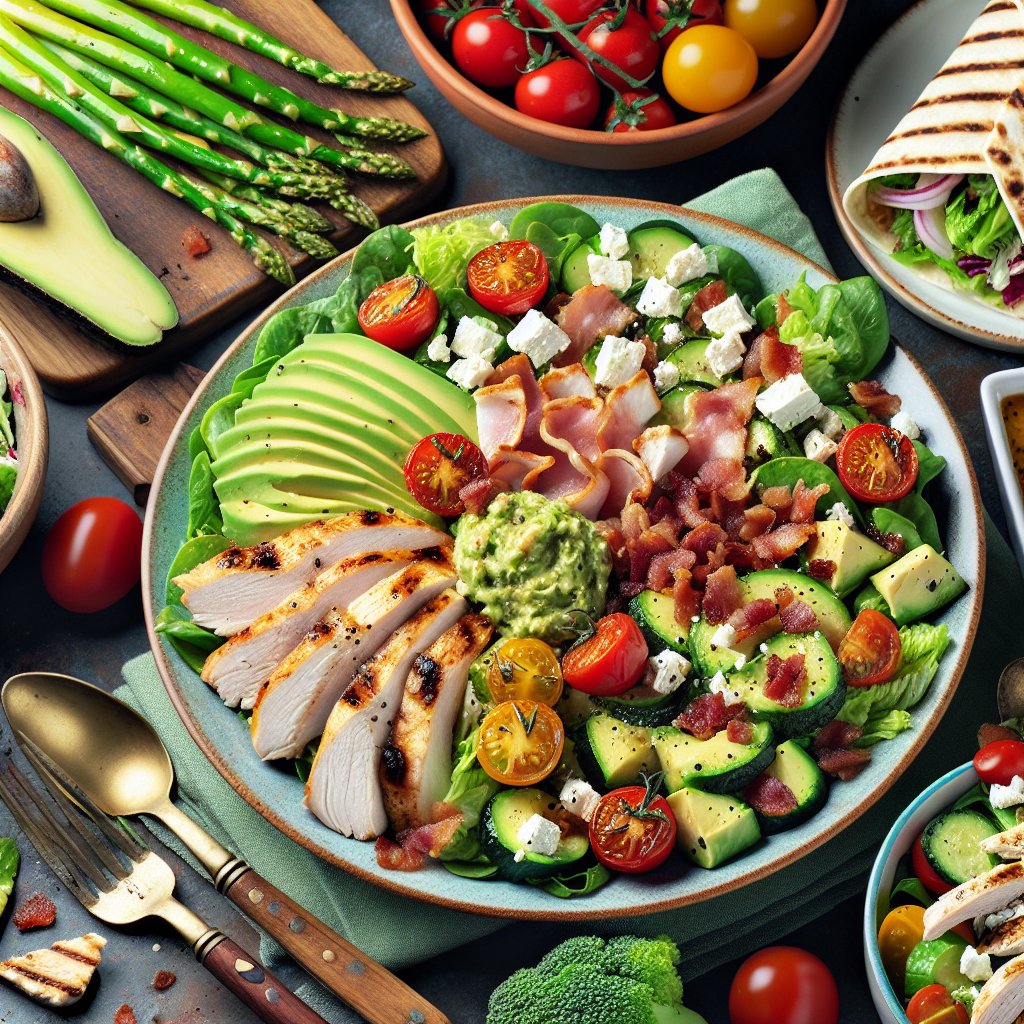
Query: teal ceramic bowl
[276, 792]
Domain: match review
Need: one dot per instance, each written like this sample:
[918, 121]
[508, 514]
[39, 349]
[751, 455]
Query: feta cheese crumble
[724, 636]
[579, 798]
[718, 684]
[614, 241]
[725, 354]
[539, 835]
[473, 339]
[672, 334]
[614, 274]
[438, 350]
[471, 372]
[670, 670]
[905, 425]
[974, 965]
[788, 401]
[818, 447]
[659, 298]
[839, 513]
[666, 375]
[686, 265]
[728, 316]
[1007, 796]
[498, 231]
[618, 361]
[830, 424]
[538, 338]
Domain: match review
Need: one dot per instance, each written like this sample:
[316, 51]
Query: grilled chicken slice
[293, 705]
[1006, 939]
[343, 788]
[236, 587]
[978, 897]
[1009, 844]
[1002, 997]
[416, 766]
[57, 976]
[238, 668]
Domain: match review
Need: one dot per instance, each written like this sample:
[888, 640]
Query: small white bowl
[994, 388]
[937, 797]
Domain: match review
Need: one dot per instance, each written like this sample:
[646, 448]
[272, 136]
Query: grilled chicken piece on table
[293, 705]
[236, 587]
[416, 766]
[343, 789]
[238, 668]
[986, 894]
[57, 976]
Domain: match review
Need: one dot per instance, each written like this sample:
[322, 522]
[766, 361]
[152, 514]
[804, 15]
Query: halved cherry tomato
[562, 92]
[708, 68]
[400, 313]
[520, 742]
[934, 1005]
[508, 277]
[489, 49]
[632, 830]
[525, 670]
[783, 985]
[638, 110]
[900, 931]
[626, 42]
[870, 651]
[876, 463]
[926, 874]
[438, 467]
[999, 762]
[610, 660]
[669, 17]
[774, 28]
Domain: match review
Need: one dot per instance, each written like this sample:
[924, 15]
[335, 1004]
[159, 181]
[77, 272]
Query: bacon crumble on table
[124, 1014]
[195, 242]
[163, 980]
[38, 911]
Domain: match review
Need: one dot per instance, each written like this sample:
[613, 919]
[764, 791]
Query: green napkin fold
[398, 931]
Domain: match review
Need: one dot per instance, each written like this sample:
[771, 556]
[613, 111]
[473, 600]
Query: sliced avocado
[919, 583]
[613, 753]
[712, 827]
[794, 767]
[716, 765]
[854, 555]
[68, 253]
[575, 707]
[655, 614]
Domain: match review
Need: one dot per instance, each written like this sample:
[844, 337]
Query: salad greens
[441, 252]
[9, 861]
[8, 454]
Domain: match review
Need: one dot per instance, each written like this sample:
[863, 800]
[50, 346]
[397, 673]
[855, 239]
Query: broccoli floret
[589, 980]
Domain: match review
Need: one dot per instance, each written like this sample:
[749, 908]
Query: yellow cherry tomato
[520, 742]
[708, 68]
[525, 670]
[774, 28]
[901, 931]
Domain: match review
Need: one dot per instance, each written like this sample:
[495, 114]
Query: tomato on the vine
[934, 1005]
[877, 463]
[572, 12]
[92, 555]
[562, 92]
[633, 828]
[610, 660]
[489, 49]
[400, 313]
[441, 16]
[669, 17]
[870, 651]
[999, 762]
[783, 985]
[926, 874]
[508, 277]
[774, 28]
[438, 467]
[625, 41]
[520, 742]
[708, 68]
[638, 110]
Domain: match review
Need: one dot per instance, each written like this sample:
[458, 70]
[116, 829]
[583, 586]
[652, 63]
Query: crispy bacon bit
[844, 764]
[725, 477]
[705, 538]
[783, 309]
[872, 396]
[837, 734]
[706, 715]
[722, 595]
[392, 857]
[163, 980]
[38, 911]
[989, 733]
[195, 242]
[739, 732]
[804, 500]
[770, 358]
[687, 600]
[894, 543]
[478, 494]
[782, 543]
[124, 1014]
[756, 521]
[798, 617]
[770, 796]
[784, 679]
[415, 844]
[822, 568]
[666, 566]
[710, 295]
[756, 613]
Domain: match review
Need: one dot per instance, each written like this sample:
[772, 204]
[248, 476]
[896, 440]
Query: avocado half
[68, 253]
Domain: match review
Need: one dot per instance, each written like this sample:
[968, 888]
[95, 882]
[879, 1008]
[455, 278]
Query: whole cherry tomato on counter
[608, 661]
[783, 985]
[572, 12]
[625, 42]
[638, 110]
[999, 762]
[489, 49]
[563, 92]
[441, 16]
[670, 17]
[92, 555]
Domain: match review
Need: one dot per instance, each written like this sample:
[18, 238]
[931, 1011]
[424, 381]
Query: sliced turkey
[236, 587]
[343, 789]
[978, 897]
[1002, 996]
[417, 764]
[1009, 844]
[238, 668]
[293, 705]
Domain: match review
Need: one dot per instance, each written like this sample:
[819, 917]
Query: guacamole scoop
[529, 561]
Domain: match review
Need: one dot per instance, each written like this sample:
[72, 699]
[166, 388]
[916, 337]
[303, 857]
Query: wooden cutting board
[211, 291]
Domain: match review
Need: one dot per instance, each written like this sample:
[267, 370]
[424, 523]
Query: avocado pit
[19, 196]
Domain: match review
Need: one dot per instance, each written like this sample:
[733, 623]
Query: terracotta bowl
[614, 151]
[32, 447]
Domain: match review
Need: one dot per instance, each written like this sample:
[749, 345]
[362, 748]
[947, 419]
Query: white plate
[994, 388]
[882, 89]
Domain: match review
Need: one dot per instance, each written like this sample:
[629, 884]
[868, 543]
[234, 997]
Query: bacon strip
[872, 396]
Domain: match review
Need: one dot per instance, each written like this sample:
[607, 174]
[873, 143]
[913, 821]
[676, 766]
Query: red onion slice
[931, 190]
[931, 229]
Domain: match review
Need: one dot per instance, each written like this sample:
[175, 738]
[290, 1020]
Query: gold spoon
[1010, 691]
[19, 196]
[116, 757]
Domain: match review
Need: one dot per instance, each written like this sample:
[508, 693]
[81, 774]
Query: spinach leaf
[192, 553]
[195, 443]
[914, 892]
[285, 329]
[9, 862]
[388, 250]
[574, 883]
[203, 508]
[479, 868]
[245, 383]
[866, 304]
[766, 312]
[885, 520]
[791, 468]
[915, 506]
[349, 297]
[737, 273]
[219, 418]
[563, 219]
[459, 303]
[192, 642]
[929, 464]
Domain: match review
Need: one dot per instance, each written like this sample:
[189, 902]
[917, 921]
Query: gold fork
[120, 881]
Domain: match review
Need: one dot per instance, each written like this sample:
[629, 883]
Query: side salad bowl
[276, 793]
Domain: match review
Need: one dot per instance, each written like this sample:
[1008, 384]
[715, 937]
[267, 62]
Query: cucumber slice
[950, 843]
[655, 614]
[716, 765]
[691, 359]
[645, 707]
[936, 962]
[505, 815]
[613, 753]
[575, 270]
[652, 245]
[765, 441]
[800, 772]
[677, 406]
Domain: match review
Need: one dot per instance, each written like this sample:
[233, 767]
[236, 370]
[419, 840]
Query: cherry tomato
[632, 830]
[638, 110]
[400, 313]
[520, 742]
[438, 467]
[562, 92]
[508, 277]
[525, 670]
[900, 932]
[774, 28]
[92, 555]
[441, 16]
[999, 762]
[783, 985]
[936, 1006]
[489, 49]
[870, 651]
[610, 660]
[669, 17]
[926, 874]
[632, 47]
[572, 12]
[876, 463]
[709, 68]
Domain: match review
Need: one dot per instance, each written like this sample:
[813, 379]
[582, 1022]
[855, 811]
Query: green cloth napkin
[398, 931]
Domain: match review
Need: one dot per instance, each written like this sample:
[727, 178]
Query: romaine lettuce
[470, 790]
[442, 252]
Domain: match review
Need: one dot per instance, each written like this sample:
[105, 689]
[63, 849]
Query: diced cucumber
[613, 753]
[575, 270]
[691, 360]
[655, 614]
[936, 962]
[951, 845]
[800, 772]
[716, 765]
[652, 245]
[765, 441]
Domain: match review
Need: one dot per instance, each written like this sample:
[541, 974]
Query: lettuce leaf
[470, 791]
[9, 861]
[441, 252]
[883, 725]
[979, 225]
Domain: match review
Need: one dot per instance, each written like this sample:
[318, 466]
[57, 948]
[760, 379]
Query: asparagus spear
[122, 21]
[159, 76]
[31, 88]
[304, 217]
[219, 21]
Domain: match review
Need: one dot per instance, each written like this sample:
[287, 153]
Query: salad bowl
[277, 793]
